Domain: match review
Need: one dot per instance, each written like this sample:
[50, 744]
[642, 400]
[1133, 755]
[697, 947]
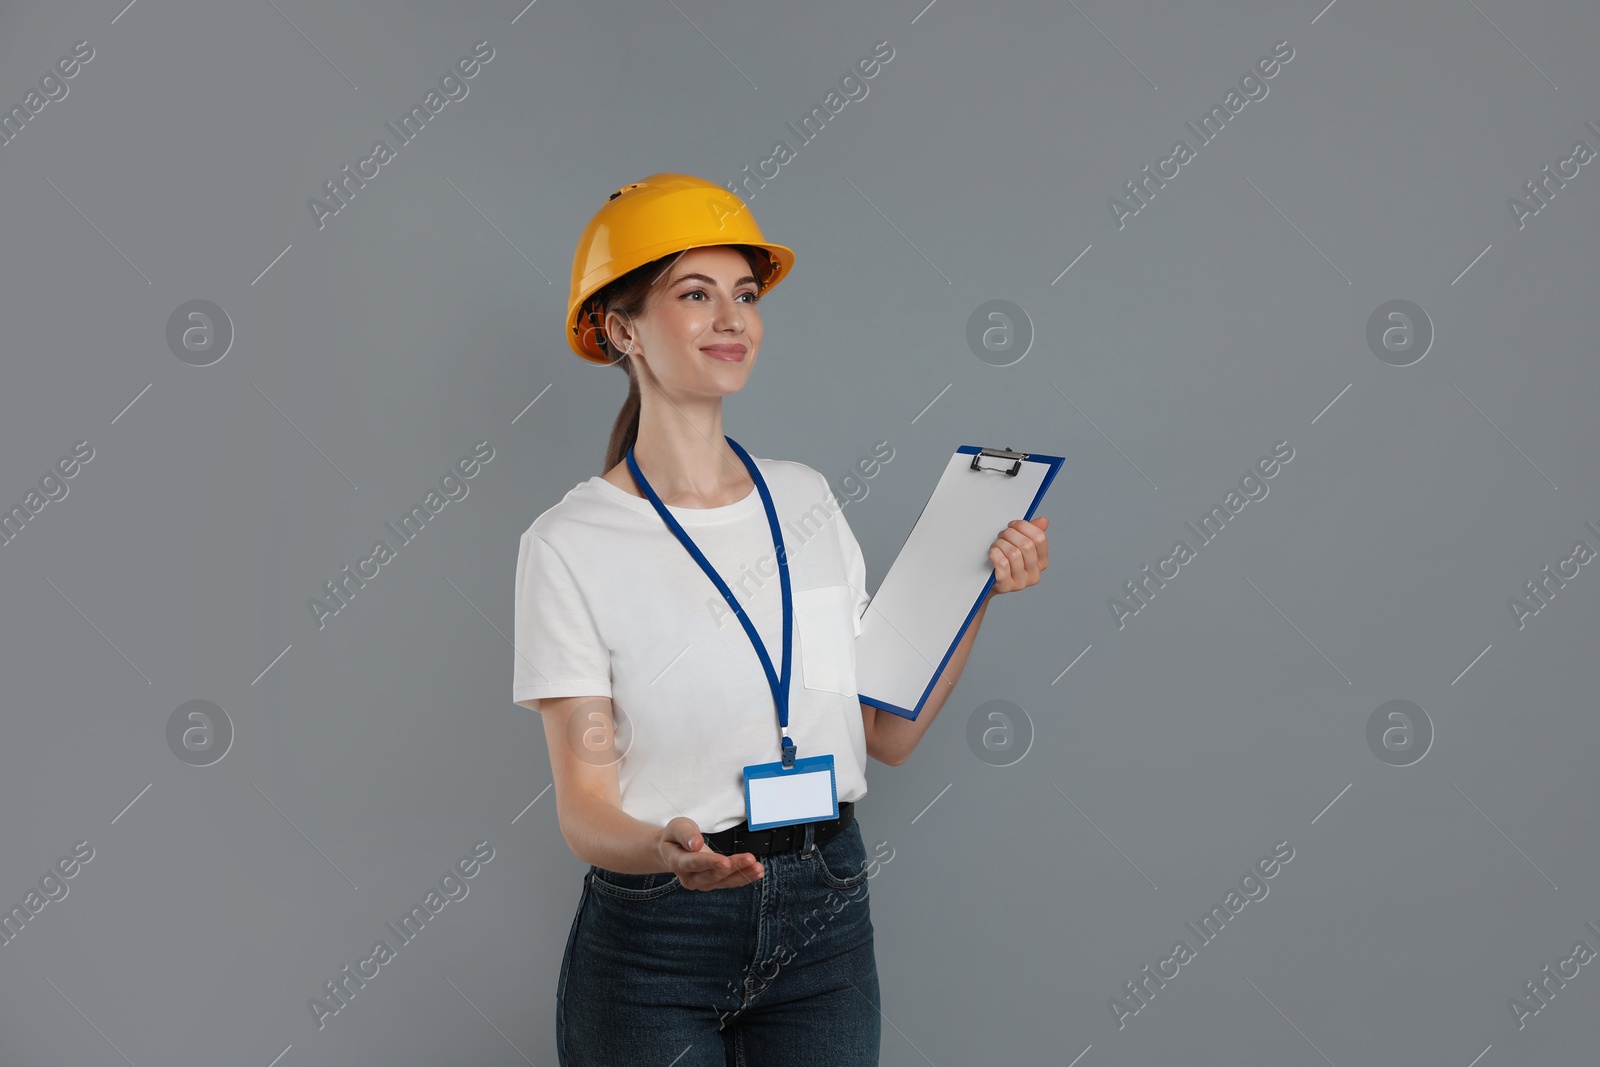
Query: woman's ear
[615, 331]
[620, 332]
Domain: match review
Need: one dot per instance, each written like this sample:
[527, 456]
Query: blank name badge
[776, 796]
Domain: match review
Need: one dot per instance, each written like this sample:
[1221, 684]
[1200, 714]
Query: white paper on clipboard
[937, 582]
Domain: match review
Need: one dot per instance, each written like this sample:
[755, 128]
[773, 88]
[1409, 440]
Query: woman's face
[700, 329]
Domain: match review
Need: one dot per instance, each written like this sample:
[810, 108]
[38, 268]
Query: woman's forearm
[599, 832]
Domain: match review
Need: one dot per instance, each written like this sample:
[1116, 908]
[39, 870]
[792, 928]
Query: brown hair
[627, 296]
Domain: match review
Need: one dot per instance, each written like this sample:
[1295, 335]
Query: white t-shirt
[610, 603]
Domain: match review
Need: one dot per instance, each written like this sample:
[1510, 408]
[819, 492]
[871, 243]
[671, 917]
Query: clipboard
[936, 584]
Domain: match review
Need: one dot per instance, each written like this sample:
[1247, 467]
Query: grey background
[1228, 315]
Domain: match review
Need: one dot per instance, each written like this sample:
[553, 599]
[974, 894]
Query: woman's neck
[686, 458]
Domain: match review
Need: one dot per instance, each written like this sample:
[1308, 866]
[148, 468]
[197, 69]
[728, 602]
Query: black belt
[740, 838]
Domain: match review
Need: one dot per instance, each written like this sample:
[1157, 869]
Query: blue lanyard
[779, 683]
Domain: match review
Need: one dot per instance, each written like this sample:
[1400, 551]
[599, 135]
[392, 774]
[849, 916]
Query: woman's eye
[754, 298]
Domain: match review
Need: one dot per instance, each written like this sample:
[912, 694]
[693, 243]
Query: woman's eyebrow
[712, 281]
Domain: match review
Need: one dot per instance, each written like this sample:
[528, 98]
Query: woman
[662, 611]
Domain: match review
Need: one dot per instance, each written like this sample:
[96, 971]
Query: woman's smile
[730, 353]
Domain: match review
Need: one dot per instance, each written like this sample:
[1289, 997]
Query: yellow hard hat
[646, 220]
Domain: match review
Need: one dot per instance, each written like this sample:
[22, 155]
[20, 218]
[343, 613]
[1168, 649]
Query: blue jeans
[777, 973]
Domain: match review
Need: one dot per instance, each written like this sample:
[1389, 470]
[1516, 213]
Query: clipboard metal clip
[1002, 453]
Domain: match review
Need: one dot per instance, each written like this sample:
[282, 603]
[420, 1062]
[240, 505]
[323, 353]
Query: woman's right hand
[684, 850]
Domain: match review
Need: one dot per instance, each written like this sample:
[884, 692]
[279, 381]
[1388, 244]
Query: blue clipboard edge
[805, 763]
[1055, 463]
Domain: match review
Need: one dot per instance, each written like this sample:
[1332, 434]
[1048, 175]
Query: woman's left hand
[1020, 554]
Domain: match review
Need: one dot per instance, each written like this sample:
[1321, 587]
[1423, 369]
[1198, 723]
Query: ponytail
[625, 431]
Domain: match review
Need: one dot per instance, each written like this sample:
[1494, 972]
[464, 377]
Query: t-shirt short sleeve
[855, 565]
[559, 652]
